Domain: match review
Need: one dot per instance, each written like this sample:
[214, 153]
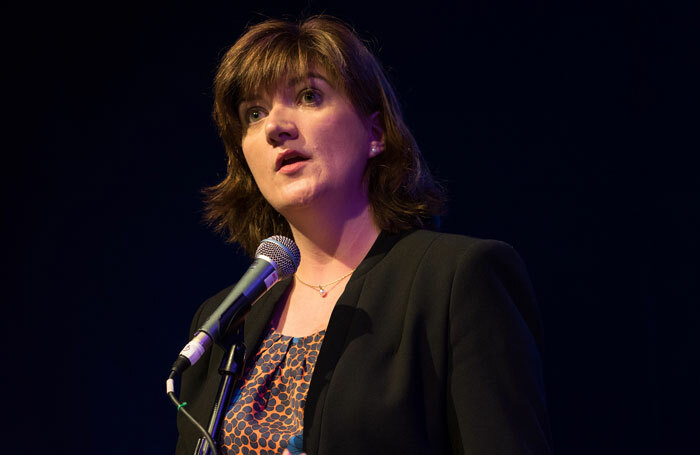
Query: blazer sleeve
[496, 401]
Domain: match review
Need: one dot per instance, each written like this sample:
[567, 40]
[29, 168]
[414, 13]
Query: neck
[333, 243]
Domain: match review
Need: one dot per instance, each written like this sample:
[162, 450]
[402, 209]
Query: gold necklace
[323, 288]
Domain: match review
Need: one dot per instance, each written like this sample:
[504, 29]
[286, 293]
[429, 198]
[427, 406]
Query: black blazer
[433, 347]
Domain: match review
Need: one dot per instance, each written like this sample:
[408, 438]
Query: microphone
[276, 258]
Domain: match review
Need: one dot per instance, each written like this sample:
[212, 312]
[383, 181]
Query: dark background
[565, 130]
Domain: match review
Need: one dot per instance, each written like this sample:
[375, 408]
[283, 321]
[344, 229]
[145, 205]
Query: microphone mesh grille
[283, 252]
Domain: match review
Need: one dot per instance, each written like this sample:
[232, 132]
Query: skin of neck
[333, 238]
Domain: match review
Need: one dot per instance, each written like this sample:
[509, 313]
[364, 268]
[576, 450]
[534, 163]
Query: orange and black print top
[267, 412]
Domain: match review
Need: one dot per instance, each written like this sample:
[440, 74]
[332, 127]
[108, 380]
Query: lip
[289, 167]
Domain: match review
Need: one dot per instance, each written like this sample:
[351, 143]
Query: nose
[280, 125]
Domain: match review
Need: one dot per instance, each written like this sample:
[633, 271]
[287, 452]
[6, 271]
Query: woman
[389, 338]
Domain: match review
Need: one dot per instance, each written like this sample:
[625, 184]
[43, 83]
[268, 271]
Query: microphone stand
[231, 370]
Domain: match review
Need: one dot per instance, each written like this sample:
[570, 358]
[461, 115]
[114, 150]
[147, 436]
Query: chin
[296, 200]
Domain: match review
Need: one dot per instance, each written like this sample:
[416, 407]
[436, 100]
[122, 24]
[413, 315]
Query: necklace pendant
[322, 291]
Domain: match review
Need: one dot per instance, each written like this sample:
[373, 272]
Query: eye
[254, 114]
[310, 97]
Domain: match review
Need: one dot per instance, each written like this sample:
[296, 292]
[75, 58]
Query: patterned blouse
[267, 412]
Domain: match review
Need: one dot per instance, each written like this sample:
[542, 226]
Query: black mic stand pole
[231, 370]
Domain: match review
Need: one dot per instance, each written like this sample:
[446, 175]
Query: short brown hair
[401, 191]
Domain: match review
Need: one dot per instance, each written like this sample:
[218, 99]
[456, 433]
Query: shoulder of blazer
[449, 249]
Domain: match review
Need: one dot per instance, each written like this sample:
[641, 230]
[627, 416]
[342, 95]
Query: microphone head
[283, 253]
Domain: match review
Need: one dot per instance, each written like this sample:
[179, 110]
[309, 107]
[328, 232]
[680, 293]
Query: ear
[376, 134]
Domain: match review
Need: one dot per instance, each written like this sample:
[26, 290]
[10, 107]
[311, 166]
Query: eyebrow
[292, 82]
[310, 75]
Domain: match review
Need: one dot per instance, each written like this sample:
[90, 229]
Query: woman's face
[305, 144]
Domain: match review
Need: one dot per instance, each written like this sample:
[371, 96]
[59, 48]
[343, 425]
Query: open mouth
[292, 160]
[289, 158]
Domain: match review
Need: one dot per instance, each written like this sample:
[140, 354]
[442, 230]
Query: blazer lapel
[346, 323]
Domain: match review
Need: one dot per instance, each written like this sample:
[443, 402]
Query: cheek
[346, 135]
[252, 159]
